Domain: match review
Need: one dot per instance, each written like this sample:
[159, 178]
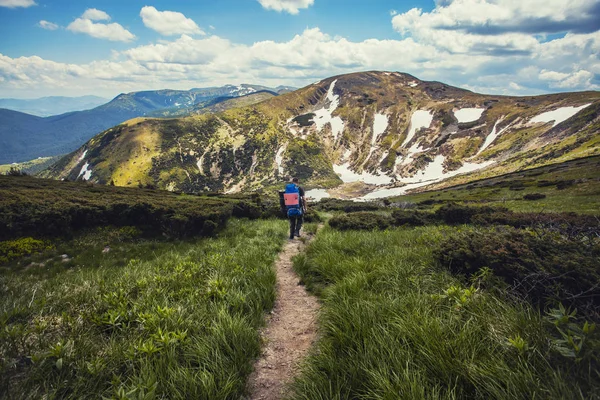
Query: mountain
[53, 105]
[363, 135]
[24, 137]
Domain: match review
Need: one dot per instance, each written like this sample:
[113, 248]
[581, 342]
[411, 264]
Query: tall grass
[180, 322]
[394, 326]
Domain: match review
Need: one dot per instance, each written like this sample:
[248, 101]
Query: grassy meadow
[395, 324]
[149, 319]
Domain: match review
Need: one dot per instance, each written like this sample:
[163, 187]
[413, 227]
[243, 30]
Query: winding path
[291, 330]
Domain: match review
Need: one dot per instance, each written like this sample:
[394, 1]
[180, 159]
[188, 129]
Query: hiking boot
[297, 234]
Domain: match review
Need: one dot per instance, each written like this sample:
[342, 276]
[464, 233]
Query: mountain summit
[368, 135]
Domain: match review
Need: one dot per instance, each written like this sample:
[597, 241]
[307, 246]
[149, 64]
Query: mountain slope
[24, 137]
[377, 133]
[53, 105]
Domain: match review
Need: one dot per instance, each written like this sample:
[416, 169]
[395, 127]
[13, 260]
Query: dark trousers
[295, 225]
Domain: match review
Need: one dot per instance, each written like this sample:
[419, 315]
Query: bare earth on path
[291, 330]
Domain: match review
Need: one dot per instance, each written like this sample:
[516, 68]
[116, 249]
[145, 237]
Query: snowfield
[279, 159]
[380, 124]
[559, 115]
[434, 172]
[492, 136]
[347, 176]
[465, 115]
[316, 194]
[420, 119]
[80, 159]
[323, 116]
[86, 172]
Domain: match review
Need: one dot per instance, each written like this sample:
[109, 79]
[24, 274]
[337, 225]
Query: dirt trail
[291, 330]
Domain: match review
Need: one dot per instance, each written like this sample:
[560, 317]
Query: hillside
[24, 137]
[52, 105]
[363, 135]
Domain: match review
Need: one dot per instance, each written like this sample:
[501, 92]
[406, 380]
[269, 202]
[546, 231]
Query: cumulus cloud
[17, 3]
[47, 25]
[169, 22]
[566, 63]
[290, 6]
[113, 32]
[94, 14]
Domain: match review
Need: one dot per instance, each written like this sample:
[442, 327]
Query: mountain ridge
[364, 132]
[25, 137]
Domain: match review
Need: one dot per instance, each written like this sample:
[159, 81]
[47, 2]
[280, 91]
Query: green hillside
[369, 135]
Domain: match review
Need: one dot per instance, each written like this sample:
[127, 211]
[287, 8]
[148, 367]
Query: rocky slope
[365, 135]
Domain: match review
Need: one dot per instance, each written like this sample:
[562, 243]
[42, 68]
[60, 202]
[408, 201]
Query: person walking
[295, 205]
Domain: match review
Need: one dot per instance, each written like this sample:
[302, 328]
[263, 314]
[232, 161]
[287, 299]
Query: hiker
[295, 206]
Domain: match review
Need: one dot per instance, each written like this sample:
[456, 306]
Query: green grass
[396, 326]
[582, 196]
[177, 321]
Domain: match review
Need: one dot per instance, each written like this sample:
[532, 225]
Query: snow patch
[380, 124]
[420, 119]
[86, 172]
[316, 194]
[559, 115]
[491, 137]
[347, 176]
[279, 159]
[80, 159]
[468, 114]
[434, 172]
[413, 84]
[323, 116]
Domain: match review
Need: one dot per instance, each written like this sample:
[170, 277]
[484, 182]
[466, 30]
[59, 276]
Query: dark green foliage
[542, 269]
[360, 221]
[348, 206]
[312, 216]
[453, 214]
[412, 218]
[534, 196]
[46, 208]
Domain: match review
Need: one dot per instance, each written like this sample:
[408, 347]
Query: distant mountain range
[25, 137]
[54, 105]
[364, 135]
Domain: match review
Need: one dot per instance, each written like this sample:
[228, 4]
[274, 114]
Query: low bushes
[348, 206]
[542, 269]
[46, 208]
[360, 221]
[13, 249]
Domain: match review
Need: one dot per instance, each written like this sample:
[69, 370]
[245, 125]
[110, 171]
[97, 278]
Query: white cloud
[290, 6]
[94, 14]
[567, 63]
[17, 3]
[393, 13]
[48, 25]
[113, 32]
[169, 22]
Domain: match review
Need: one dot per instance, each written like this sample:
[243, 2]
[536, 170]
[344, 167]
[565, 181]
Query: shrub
[453, 214]
[542, 269]
[412, 218]
[13, 249]
[534, 196]
[348, 206]
[360, 221]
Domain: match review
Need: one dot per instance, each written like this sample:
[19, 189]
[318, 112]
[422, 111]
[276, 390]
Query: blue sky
[104, 47]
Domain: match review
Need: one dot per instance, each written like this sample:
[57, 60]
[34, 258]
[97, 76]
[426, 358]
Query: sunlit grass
[179, 321]
[394, 326]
